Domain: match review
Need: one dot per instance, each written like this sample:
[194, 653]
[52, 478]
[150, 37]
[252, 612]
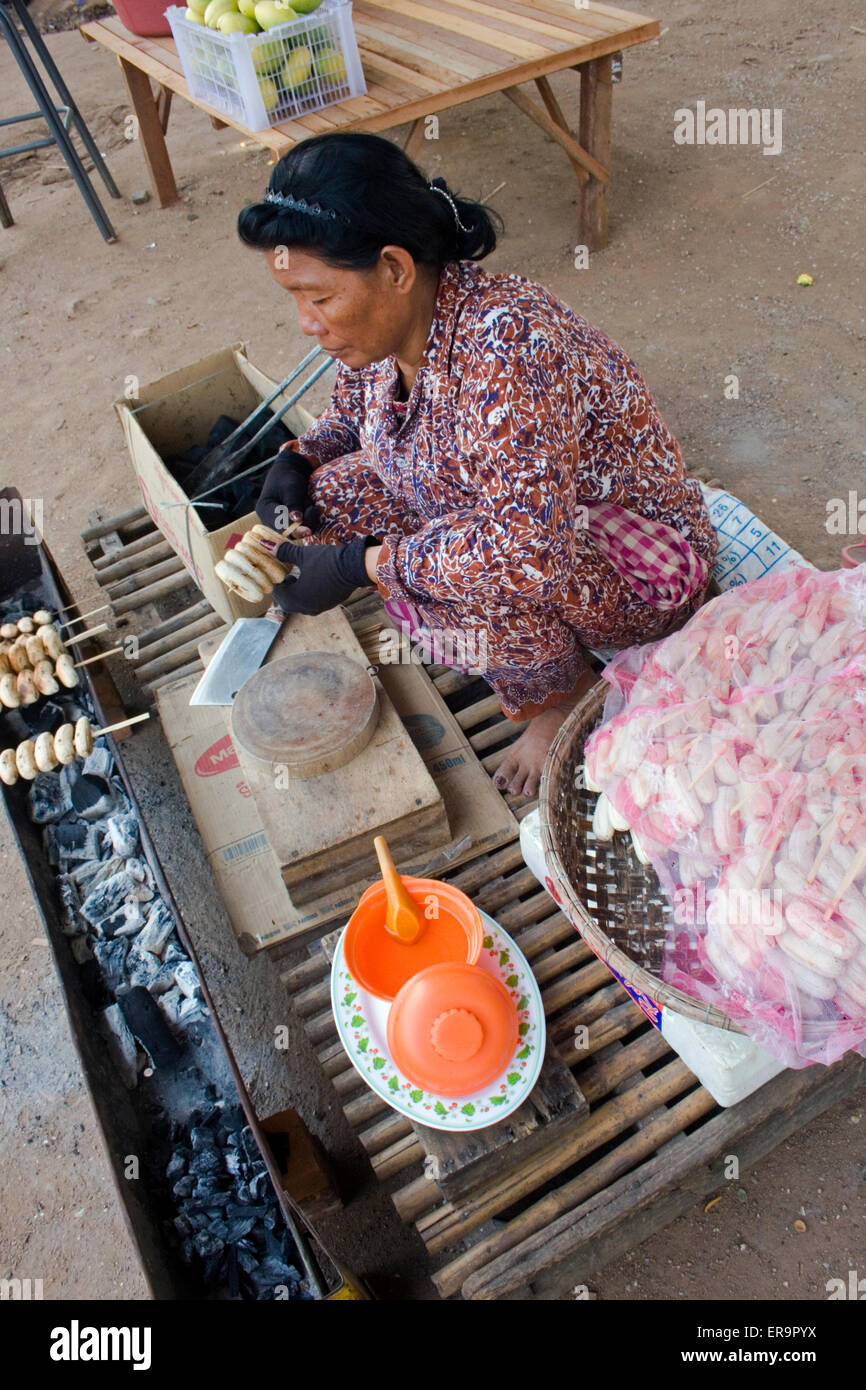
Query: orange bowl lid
[452, 1029]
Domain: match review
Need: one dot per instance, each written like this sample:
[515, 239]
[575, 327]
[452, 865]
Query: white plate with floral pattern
[362, 1023]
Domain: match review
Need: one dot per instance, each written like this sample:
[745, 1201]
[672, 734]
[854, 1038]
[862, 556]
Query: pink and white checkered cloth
[656, 560]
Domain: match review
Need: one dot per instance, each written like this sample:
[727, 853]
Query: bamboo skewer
[99, 657]
[65, 622]
[82, 636]
[121, 724]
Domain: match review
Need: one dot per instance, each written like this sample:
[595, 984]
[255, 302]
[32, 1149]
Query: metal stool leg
[65, 97]
[56, 127]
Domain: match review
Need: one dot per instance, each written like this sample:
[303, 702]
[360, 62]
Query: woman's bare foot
[520, 772]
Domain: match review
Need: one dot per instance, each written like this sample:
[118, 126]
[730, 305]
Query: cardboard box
[246, 872]
[168, 417]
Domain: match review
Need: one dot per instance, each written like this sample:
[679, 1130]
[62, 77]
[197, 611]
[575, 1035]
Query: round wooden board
[311, 713]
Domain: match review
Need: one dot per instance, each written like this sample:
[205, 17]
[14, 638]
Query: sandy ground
[699, 282]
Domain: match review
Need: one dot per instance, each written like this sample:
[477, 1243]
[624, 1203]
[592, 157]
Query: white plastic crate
[262, 79]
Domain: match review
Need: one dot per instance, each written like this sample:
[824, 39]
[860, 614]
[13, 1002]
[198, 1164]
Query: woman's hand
[284, 497]
[327, 575]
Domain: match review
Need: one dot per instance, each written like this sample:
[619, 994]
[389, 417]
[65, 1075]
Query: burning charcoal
[132, 920]
[99, 763]
[157, 929]
[111, 956]
[260, 1185]
[176, 1166]
[147, 1024]
[47, 800]
[150, 972]
[191, 1011]
[108, 896]
[123, 833]
[80, 949]
[170, 1003]
[70, 907]
[186, 978]
[121, 1045]
[232, 1162]
[184, 1186]
[173, 953]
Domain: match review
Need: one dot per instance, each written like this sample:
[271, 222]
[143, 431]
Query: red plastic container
[144, 17]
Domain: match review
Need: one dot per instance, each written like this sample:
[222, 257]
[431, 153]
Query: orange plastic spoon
[402, 918]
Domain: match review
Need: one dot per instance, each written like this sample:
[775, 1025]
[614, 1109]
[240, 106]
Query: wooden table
[421, 57]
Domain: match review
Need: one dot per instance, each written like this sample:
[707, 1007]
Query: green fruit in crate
[247, 7]
[199, 6]
[269, 13]
[268, 58]
[305, 6]
[331, 65]
[299, 65]
[215, 9]
[234, 23]
[193, 16]
[270, 93]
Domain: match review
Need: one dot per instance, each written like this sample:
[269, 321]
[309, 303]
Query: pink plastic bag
[735, 751]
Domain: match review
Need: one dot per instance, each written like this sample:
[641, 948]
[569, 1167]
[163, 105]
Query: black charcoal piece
[184, 1187]
[249, 1146]
[238, 1227]
[260, 1185]
[123, 834]
[201, 1137]
[92, 797]
[218, 1228]
[187, 1250]
[111, 957]
[182, 1226]
[147, 1024]
[176, 1166]
[205, 1161]
[47, 799]
[248, 1260]
[207, 1244]
[70, 907]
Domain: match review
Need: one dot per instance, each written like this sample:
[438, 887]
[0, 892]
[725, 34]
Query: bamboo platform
[543, 1205]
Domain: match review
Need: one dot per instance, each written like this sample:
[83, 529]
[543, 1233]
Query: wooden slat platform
[653, 1141]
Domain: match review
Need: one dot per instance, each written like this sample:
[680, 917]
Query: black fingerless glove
[328, 574]
[285, 491]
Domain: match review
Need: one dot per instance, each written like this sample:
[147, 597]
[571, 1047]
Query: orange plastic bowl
[453, 1029]
[382, 964]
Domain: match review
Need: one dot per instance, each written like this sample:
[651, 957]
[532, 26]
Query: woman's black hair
[358, 193]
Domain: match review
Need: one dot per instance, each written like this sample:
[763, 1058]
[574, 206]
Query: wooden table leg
[163, 106]
[595, 105]
[415, 139]
[150, 133]
[6, 218]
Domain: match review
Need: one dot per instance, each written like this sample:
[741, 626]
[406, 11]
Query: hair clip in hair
[434, 188]
[287, 200]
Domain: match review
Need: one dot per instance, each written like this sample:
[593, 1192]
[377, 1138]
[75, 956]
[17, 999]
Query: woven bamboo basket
[616, 903]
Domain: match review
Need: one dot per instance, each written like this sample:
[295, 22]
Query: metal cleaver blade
[241, 652]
